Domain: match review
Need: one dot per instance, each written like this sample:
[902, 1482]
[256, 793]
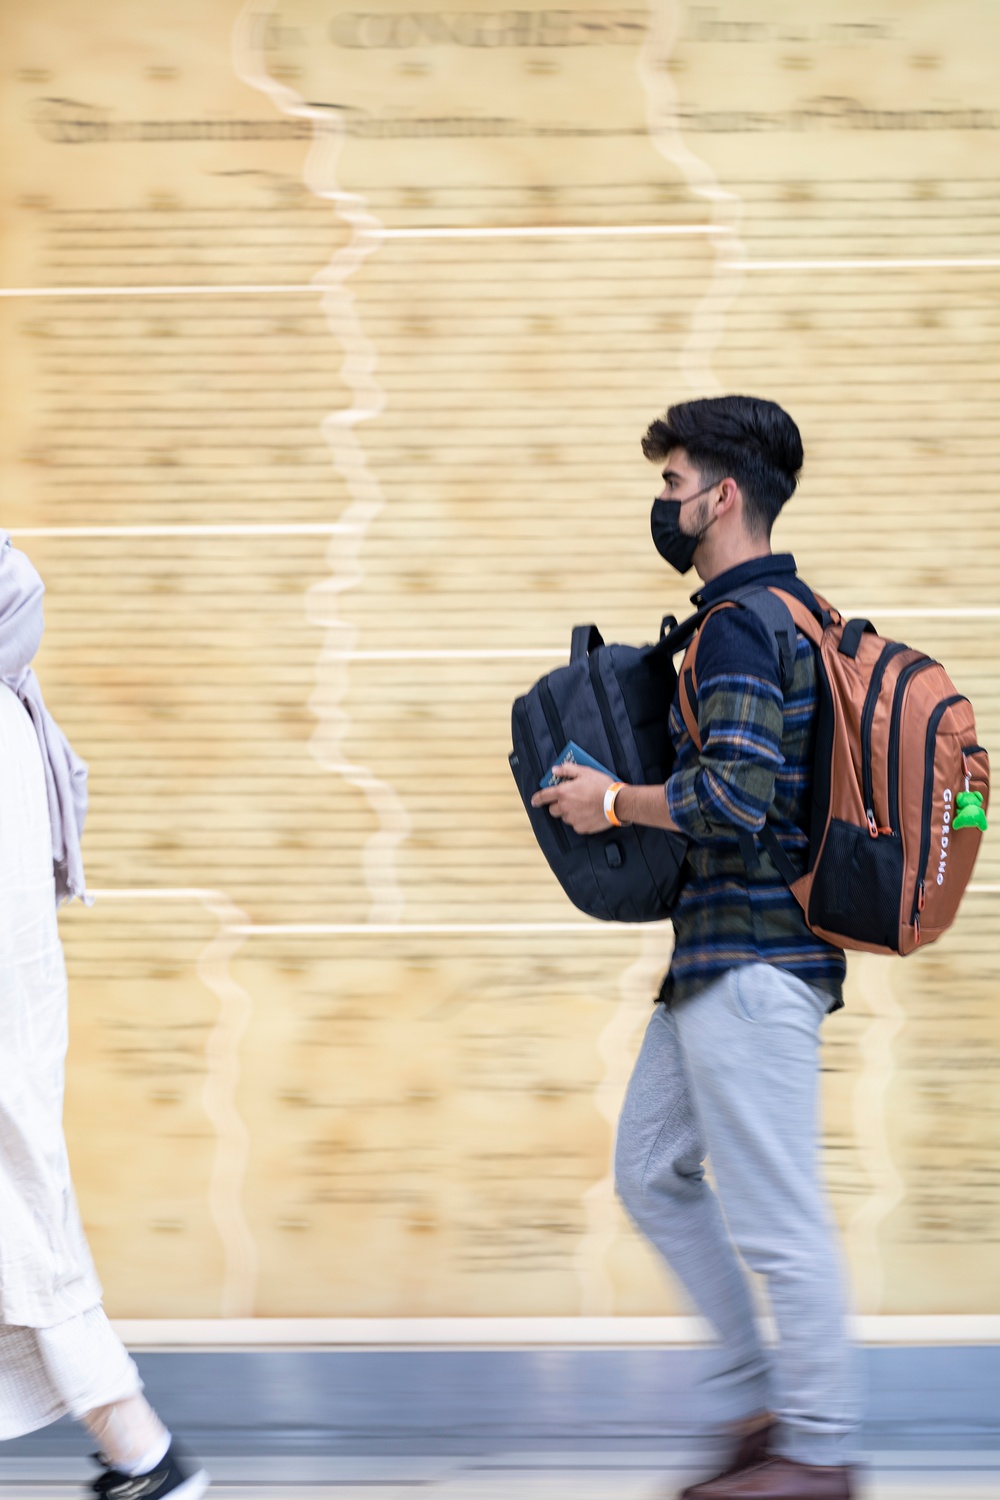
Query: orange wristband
[609, 804]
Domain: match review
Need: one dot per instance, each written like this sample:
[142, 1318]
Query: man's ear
[729, 493]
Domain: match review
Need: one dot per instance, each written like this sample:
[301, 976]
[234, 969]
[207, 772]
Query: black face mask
[674, 545]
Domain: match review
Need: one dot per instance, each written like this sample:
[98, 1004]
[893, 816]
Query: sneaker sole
[193, 1488]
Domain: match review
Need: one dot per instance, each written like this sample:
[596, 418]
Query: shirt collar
[774, 568]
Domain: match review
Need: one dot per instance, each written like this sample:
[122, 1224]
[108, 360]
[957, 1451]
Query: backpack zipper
[604, 708]
[902, 681]
[867, 716]
[925, 821]
[554, 725]
[534, 769]
[552, 720]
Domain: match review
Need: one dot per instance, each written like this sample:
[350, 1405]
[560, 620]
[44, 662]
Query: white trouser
[69, 1368]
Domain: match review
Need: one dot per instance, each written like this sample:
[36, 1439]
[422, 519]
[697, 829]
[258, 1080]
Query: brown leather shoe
[779, 1479]
[751, 1443]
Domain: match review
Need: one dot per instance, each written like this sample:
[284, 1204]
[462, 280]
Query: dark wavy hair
[744, 438]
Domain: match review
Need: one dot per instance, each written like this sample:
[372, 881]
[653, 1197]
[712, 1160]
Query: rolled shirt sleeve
[730, 786]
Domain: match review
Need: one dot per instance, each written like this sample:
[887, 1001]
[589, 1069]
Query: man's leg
[661, 1181]
[751, 1044]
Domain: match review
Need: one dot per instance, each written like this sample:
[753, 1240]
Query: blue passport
[577, 757]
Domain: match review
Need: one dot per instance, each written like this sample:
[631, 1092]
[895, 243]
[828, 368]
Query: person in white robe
[58, 1352]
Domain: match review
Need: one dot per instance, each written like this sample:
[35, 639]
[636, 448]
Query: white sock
[149, 1460]
[130, 1434]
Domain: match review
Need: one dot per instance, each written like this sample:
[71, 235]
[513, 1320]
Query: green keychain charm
[970, 811]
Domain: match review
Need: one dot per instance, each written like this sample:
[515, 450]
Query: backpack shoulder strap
[687, 682]
[775, 609]
[803, 616]
[770, 608]
[790, 612]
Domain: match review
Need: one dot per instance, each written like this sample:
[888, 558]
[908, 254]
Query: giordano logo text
[945, 837]
[501, 28]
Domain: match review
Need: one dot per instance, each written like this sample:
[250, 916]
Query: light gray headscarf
[21, 626]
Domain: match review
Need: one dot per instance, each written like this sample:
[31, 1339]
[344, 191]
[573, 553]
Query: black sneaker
[171, 1476]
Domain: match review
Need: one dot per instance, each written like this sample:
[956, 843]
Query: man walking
[729, 1067]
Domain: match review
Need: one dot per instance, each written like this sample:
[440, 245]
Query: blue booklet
[577, 757]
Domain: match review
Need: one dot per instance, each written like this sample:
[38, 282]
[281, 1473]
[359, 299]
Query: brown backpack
[895, 747]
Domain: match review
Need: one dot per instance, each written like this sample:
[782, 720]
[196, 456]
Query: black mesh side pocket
[857, 887]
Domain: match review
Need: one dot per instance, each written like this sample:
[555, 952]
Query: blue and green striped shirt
[755, 763]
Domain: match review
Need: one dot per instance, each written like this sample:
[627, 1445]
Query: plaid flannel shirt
[755, 763]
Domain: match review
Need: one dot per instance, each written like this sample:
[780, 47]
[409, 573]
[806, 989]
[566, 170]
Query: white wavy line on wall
[708, 317]
[875, 976]
[232, 1155]
[219, 1091]
[339, 428]
[617, 1046]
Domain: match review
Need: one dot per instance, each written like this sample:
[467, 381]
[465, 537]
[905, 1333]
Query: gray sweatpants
[733, 1073]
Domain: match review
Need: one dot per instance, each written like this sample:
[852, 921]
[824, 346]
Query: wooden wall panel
[327, 339]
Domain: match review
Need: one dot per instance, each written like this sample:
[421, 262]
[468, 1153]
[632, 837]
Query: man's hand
[577, 798]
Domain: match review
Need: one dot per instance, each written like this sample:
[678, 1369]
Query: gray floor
[648, 1476]
[518, 1424]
